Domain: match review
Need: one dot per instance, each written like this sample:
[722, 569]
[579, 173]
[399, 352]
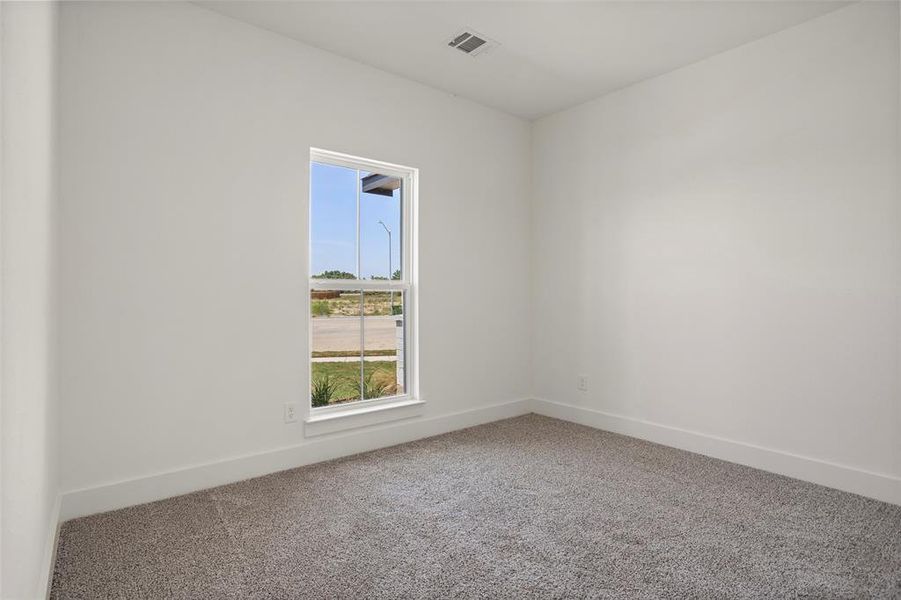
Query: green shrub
[375, 387]
[320, 308]
[323, 390]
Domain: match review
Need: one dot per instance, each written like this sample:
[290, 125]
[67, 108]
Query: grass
[346, 375]
[343, 353]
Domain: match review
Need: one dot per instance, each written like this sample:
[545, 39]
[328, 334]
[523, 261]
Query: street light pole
[390, 272]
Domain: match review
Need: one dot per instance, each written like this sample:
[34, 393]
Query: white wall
[184, 140]
[29, 499]
[718, 248]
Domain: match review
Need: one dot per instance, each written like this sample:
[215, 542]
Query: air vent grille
[471, 43]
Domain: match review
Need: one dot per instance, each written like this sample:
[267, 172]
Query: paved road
[343, 333]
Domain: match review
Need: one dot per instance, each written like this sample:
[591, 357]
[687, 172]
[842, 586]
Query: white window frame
[323, 419]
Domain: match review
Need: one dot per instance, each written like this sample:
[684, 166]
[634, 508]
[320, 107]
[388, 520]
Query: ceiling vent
[471, 43]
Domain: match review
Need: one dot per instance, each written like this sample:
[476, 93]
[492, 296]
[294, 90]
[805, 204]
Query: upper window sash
[407, 241]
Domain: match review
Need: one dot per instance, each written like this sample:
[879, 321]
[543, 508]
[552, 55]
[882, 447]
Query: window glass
[336, 327]
[383, 335]
[333, 219]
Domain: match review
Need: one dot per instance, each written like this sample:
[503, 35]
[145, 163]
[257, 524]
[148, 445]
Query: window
[361, 282]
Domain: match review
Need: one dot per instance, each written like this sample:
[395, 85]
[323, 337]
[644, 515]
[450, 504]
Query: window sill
[351, 417]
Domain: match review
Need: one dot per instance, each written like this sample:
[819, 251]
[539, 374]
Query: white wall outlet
[290, 412]
[583, 383]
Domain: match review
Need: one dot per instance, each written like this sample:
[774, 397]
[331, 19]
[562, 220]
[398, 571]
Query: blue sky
[333, 227]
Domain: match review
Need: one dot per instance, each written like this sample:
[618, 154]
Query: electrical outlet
[290, 412]
[583, 383]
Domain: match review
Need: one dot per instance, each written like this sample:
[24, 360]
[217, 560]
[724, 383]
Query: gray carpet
[524, 508]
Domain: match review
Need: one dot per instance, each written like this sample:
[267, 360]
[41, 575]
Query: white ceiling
[553, 55]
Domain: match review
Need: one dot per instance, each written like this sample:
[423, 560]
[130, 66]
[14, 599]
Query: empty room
[450, 299]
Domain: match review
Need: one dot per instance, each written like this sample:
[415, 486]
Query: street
[332, 334]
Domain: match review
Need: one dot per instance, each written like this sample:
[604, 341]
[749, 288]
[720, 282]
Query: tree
[396, 275]
[335, 275]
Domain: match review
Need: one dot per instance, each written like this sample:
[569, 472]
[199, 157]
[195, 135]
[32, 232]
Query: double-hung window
[362, 294]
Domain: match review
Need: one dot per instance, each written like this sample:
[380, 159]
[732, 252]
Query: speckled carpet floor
[529, 507]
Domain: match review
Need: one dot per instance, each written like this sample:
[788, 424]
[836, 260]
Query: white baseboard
[77, 503]
[50, 545]
[873, 485]
[87, 501]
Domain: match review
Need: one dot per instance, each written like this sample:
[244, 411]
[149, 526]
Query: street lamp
[390, 272]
